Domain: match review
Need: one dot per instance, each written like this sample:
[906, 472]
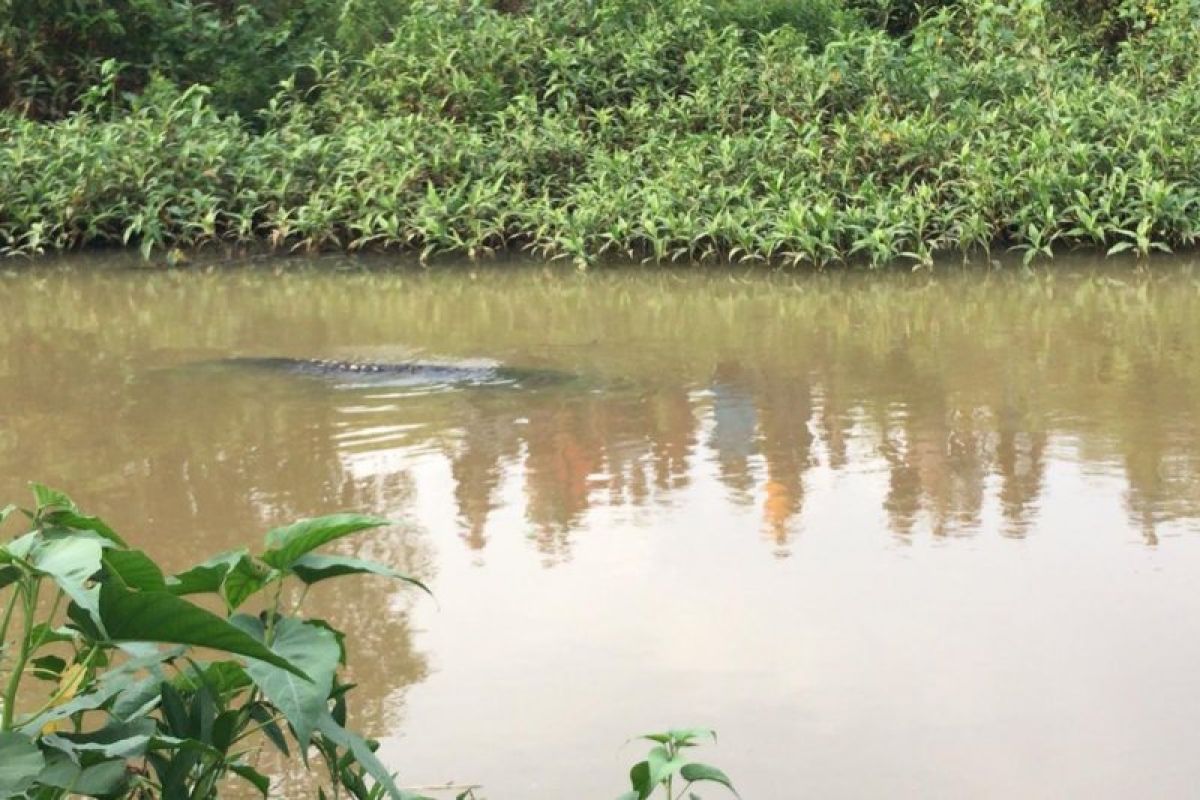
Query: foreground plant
[666, 767]
[133, 710]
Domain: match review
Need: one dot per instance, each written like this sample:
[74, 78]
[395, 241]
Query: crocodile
[402, 372]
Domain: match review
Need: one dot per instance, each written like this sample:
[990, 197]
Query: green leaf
[363, 755]
[44, 634]
[223, 677]
[72, 562]
[9, 576]
[44, 497]
[681, 736]
[21, 547]
[242, 582]
[73, 520]
[135, 569]
[120, 740]
[205, 577]
[639, 779]
[662, 765]
[696, 773]
[101, 779]
[1119, 247]
[6, 511]
[314, 567]
[85, 624]
[174, 711]
[60, 771]
[48, 668]
[139, 698]
[163, 617]
[20, 763]
[287, 544]
[256, 778]
[225, 729]
[314, 650]
[266, 719]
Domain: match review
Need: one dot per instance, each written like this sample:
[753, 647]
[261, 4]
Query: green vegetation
[665, 767]
[815, 131]
[126, 717]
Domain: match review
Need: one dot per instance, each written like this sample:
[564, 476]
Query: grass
[683, 130]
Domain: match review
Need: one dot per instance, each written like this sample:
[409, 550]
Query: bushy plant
[668, 767]
[133, 709]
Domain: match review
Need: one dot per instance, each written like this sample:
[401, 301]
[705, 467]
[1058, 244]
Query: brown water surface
[891, 535]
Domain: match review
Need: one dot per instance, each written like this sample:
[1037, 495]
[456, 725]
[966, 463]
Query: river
[903, 535]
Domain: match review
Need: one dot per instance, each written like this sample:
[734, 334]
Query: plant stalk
[29, 592]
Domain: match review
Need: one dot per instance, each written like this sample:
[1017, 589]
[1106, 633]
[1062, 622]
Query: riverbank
[678, 130]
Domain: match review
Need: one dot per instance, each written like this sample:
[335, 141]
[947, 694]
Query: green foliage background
[811, 131]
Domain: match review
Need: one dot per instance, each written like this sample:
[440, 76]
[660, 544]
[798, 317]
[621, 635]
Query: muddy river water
[932, 535]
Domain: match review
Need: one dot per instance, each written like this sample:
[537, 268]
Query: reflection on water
[723, 436]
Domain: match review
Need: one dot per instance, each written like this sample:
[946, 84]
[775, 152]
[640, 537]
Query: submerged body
[402, 372]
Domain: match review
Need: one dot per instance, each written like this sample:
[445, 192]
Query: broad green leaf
[205, 577]
[72, 563]
[101, 779]
[363, 755]
[163, 617]
[311, 648]
[703, 772]
[135, 569]
[314, 567]
[662, 765]
[639, 779]
[341, 640]
[242, 582]
[287, 544]
[20, 763]
[6, 511]
[60, 771]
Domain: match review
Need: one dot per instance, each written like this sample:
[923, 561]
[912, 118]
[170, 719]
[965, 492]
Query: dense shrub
[680, 128]
[51, 51]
